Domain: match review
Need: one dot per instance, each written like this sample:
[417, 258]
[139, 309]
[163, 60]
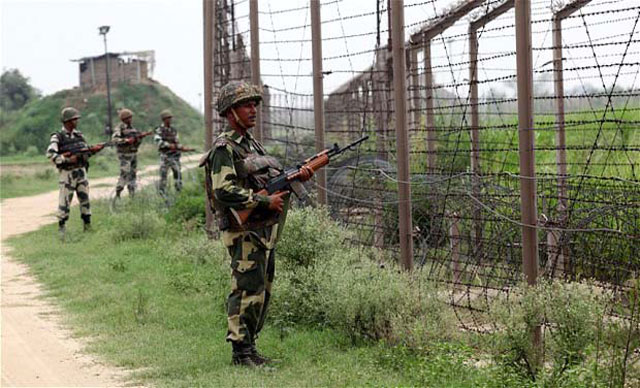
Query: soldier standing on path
[72, 169]
[127, 140]
[166, 137]
[237, 167]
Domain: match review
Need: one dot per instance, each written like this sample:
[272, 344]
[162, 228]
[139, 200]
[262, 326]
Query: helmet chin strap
[238, 121]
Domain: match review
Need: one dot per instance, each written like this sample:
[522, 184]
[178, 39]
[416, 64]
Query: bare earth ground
[37, 350]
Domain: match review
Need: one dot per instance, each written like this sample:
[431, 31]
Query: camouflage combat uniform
[169, 158]
[239, 168]
[128, 156]
[72, 177]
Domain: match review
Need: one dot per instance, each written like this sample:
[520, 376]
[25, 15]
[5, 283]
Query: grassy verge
[153, 301]
[147, 290]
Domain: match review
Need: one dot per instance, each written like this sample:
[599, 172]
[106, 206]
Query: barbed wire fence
[464, 152]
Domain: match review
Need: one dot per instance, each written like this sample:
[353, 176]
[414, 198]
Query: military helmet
[69, 113]
[125, 113]
[237, 92]
[165, 114]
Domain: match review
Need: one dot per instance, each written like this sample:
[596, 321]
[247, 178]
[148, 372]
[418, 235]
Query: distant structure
[129, 67]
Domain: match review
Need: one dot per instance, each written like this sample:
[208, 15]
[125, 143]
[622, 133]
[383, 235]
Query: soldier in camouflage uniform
[236, 169]
[127, 142]
[166, 137]
[72, 169]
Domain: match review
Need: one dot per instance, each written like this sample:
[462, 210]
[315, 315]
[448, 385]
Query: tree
[15, 90]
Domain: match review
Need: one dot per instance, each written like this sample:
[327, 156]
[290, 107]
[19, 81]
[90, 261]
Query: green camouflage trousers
[128, 171]
[170, 162]
[252, 272]
[71, 181]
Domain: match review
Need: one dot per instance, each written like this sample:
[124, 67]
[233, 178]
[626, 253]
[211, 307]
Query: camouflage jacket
[164, 137]
[229, 189]
[120, 136]
[55, 149]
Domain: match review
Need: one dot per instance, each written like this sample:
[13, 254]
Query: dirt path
[37, 350]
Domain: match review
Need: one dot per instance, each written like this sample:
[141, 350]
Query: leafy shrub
[571, 315]
[190, 203]
[309, 235]
[137, 226]
[325, 282]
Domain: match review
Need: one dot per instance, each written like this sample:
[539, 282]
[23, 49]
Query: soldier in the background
[237, 167]
[166, 137]
[72, 169]
[127, 140]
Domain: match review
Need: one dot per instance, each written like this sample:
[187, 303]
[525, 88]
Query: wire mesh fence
[465, 171]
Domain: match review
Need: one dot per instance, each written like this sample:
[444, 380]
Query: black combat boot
[258, 358]
[242, 355]
[86, 218]
[61, 229]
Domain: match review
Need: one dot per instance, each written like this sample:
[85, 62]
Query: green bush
[137, 226]
[309, 235]
[571, 315]
[323, 281]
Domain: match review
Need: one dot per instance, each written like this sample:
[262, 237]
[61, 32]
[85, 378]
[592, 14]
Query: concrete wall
[93, 71]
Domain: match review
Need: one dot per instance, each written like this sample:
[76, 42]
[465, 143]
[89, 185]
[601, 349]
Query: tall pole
[475, 138]
[255, 61]
[208, 13]
[103, 31]
[429, 112]
[402, 139]
[561, 153]
[318, 94]
[526, 132]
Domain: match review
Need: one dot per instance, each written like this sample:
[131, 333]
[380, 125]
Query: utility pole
[103, 30]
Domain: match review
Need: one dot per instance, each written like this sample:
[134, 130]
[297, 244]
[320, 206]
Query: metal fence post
[400, 97]
[255, 61]
[318, 94]
[429, 112]
[526, 132]
[475, 139]
[209, 11]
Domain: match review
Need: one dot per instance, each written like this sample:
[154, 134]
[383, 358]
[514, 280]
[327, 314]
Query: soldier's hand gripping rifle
[287, 180]
[139, 137]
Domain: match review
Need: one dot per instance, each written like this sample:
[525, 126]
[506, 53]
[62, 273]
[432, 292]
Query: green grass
[155, 304]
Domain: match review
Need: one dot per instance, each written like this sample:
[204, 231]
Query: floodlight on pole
[103, 30]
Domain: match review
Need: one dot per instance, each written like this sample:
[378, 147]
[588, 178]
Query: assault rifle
[290, 178]
[181, 148]
[139, 137]
[88, 151]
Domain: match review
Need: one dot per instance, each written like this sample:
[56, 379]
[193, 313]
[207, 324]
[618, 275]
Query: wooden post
[400, 97]
[318, 95]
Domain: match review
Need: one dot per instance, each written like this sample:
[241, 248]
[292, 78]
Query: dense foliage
[28, 130]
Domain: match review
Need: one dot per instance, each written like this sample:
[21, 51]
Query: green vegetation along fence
[464, 80]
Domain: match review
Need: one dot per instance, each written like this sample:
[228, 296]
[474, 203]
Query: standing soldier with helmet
[166, 137]
[127, 140]
[72, 168]
[237, 167]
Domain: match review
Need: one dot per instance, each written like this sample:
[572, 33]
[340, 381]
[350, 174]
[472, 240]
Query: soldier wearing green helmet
[127, 140]
[235, 170]
[166, 137]
[72, 170]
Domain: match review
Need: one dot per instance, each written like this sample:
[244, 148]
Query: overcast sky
[41, 37]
